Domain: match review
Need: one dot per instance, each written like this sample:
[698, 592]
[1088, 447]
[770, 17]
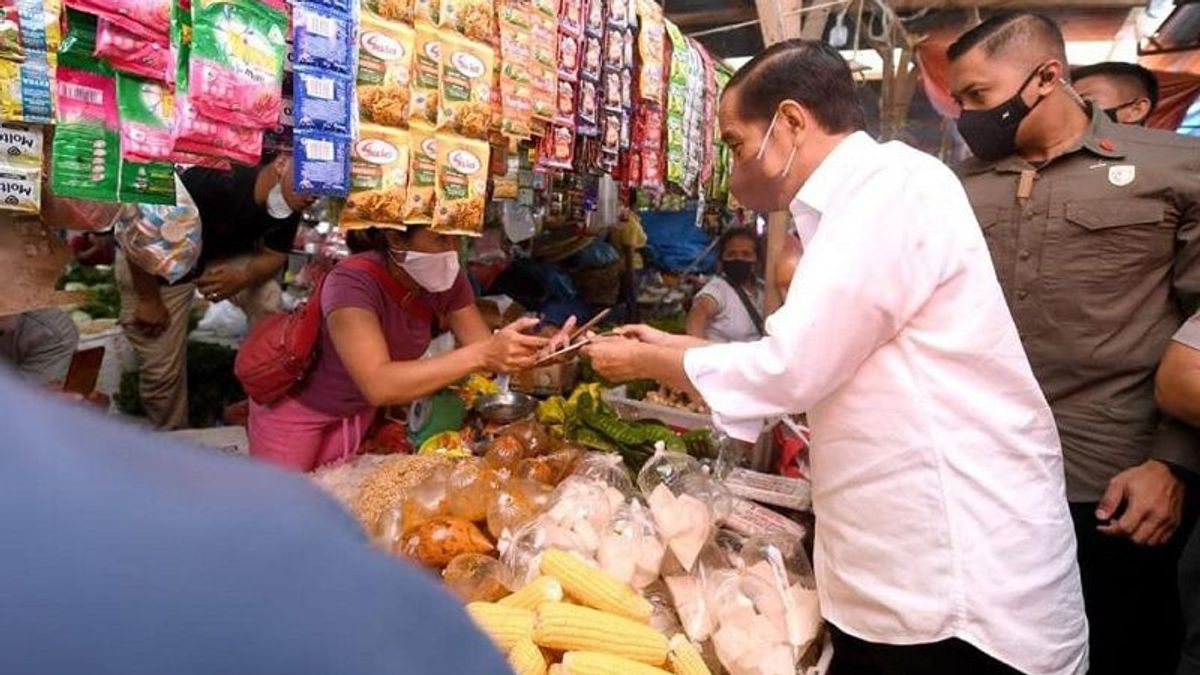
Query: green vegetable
[595, 440]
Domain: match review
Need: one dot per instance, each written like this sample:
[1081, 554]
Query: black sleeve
[280, 235]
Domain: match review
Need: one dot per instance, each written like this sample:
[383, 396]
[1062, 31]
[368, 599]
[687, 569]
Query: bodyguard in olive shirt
[1094, 229]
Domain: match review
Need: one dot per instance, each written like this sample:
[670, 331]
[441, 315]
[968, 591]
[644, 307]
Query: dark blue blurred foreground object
[123, 552]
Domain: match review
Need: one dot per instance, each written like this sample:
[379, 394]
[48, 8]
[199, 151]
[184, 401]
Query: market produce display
[634, 557]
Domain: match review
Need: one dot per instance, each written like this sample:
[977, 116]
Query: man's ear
[795, 115]
[1141, 109]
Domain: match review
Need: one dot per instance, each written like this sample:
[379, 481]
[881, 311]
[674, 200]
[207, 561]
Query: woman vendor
[372, 340]
[729, 308]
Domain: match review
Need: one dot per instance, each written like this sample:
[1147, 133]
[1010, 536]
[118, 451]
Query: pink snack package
[131, 53]
[197, 134]
[236, 64]
[149, 19]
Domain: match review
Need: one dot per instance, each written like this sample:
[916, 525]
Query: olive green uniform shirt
[1098, 252]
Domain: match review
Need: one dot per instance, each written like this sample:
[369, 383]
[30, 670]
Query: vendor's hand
[510, 349]
[220, 282]
[151, 317]
[644, 333]
[1153, 499]
[615, 358]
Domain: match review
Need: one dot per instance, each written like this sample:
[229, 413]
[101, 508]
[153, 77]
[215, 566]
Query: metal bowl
[505, 407]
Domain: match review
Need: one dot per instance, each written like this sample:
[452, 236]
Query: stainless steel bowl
[505, 407]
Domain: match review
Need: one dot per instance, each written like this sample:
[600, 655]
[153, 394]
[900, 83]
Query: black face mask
[992, 134]
[738, 271]
[1112, 112]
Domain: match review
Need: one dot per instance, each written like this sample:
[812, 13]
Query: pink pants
[294, 436]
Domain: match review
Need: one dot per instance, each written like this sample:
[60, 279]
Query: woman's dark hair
[736, 233]
[808, 72]
[371, 239]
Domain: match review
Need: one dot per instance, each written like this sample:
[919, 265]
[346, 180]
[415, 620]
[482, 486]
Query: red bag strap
[403, 297]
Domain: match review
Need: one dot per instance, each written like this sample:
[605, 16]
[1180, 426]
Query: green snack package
[85, 158]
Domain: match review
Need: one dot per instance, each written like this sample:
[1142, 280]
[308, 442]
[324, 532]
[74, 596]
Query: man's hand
[222, 281]
[617, 359]
[151, 317]
[1153, 499]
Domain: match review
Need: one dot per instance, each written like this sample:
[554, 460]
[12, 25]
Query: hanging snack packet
[565, 114]
[322, 163]
[20, 188]
[557, 148]
[150, 19]
[462, 178]
[392, 10]
[146, 183]
[28, 26]
[466, 86]
[423, 166]
[385, 63]
[236, 72]
[516, 89]
[25, 88]
[321, 37]
[21, 144]
[593, 18]
[472, 18]
[568, 57]
[131, 53]
[323, 100]
[427, 70]
[651, 46]
[588, 109]
[570, 17]
[427, 10]
[590, 67]
[85, 159]
[378, 178]
[146, 109]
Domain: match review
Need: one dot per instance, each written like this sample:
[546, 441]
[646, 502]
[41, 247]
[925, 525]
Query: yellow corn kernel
[506, 626]
[594, 588]
[526, 659]
[684, 659]
[541, 589]
[594, 663]
[564, 627]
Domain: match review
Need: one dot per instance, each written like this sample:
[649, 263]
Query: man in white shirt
[944, 543]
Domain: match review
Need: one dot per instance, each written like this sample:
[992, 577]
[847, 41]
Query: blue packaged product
[322, 38]
[321, 164]
[323, 100]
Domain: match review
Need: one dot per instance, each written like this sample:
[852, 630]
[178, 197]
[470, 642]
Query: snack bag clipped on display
[462, 185]
[422, 174]
[392, 10]
[321, 165]
[149, 19]
[28, 27]
[85, 158]
[470, 18]
[466, 86]
[322, 37]
[427, 10]
[163, 240]
[385, 64]
[20, 188]
[323, 100]
[236, 66]
[379, 168]
[131, 53]
[427, 74]
[21, 144]
[26, 88]
[146, 108]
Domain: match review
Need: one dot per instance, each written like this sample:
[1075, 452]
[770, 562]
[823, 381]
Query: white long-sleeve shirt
[937, 474]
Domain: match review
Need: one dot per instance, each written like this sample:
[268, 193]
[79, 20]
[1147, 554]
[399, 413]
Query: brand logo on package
[381, 46]
[464, 162]
[377, 151]
[429, 147]
[467, 64]
[433, 50]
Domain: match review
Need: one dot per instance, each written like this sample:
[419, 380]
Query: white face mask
[277, 206]
[435, 272]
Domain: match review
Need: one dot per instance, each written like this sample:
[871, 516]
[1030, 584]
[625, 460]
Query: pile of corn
[577, 620]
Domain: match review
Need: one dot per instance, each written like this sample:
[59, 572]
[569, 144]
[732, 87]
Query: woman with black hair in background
[729, 308]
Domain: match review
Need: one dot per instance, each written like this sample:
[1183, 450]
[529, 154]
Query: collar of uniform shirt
[813, 198]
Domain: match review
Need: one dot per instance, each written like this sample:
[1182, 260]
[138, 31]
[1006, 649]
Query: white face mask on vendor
[435, 272]
[277, 206]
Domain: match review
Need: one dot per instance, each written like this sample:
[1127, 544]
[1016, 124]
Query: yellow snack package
[427, 69]
[395, 10]
[472, 18]
[466, 86]
[462, 175]
[422, 174]
[385, 65]
[378, 178]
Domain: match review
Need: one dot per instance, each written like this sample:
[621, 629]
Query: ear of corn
[526, 659]
[506, 626]
[594, 588]
[593, 663]
[564, 627]
[684, 659]
[541, 589]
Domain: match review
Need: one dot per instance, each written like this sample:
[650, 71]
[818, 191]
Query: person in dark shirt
[126, 552]
[1126, 92]
[249, 217]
